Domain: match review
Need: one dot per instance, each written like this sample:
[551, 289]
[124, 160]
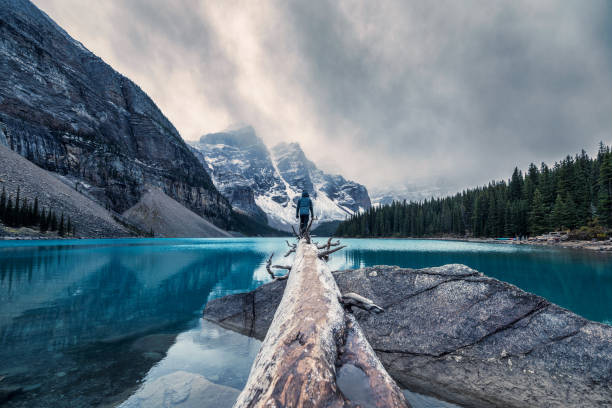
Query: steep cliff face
[66, 110]
[266, 184]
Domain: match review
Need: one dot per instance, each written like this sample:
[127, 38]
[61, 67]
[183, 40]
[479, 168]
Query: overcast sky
[452, 93]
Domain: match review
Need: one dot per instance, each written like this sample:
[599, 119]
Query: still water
[93, 322]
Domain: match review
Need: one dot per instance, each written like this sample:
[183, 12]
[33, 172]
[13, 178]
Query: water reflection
[69, 311]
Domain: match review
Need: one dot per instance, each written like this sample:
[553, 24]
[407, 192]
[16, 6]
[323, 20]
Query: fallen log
[314, 353]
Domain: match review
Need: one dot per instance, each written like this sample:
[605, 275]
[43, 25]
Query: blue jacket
[304, 206]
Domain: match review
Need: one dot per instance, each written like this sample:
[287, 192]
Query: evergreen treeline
[577, 192]
[20, 212]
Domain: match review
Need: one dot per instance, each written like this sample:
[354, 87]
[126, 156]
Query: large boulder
[456, 334]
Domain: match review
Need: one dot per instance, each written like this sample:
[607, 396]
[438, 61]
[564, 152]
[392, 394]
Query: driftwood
[329, 244]
[292, 248]
[353, 299]
[314, 353]
[326, 254]
[295, 233]
[269, 267]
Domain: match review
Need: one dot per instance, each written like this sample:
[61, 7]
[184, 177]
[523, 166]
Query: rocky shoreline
[455, 334]
[599, 246]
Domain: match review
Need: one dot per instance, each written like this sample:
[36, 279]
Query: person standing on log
[303, 210]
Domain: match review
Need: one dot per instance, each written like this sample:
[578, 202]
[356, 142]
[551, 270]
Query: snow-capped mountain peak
[265, 183]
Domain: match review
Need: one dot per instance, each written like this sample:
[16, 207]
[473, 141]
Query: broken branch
[328, 244]
[329, 252]
[295, 233]
[292, 248]
[354, 299]
[269, 267]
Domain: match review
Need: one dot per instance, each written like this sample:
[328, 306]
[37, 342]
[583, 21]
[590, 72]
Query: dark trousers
[303, 223]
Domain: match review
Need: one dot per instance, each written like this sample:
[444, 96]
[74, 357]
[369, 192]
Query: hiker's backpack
[304, 205]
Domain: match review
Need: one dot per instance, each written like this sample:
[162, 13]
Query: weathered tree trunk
[315, 354]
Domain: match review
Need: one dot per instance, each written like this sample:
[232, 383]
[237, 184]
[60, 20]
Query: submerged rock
[8, 392]
[456, 334]
[184, 390]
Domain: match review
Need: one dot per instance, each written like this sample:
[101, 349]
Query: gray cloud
[445, 92]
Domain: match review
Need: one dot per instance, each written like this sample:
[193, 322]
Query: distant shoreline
[597, 246]
[593, 246]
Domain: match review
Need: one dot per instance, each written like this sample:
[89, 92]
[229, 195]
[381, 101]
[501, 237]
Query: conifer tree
[61, 231]
[537, 215]
[53, 222]
[2, 203]
[24, 211]
[16, 211]
[44, 222]
[569, 212]
[558, 213]
[9, 212]
[604, 203]
[35, 212]
[516, 185]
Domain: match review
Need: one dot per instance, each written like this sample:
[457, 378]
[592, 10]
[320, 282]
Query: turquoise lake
[88, 322]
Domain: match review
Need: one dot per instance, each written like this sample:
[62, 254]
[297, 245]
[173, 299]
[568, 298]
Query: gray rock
[66, 110]
[453, 333]
[184, 390]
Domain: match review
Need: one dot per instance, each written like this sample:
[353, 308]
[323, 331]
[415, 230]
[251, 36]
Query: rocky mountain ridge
[69, 112]
[266, 183]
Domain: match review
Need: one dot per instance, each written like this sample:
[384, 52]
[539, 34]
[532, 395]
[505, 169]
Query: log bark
[314, 353]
